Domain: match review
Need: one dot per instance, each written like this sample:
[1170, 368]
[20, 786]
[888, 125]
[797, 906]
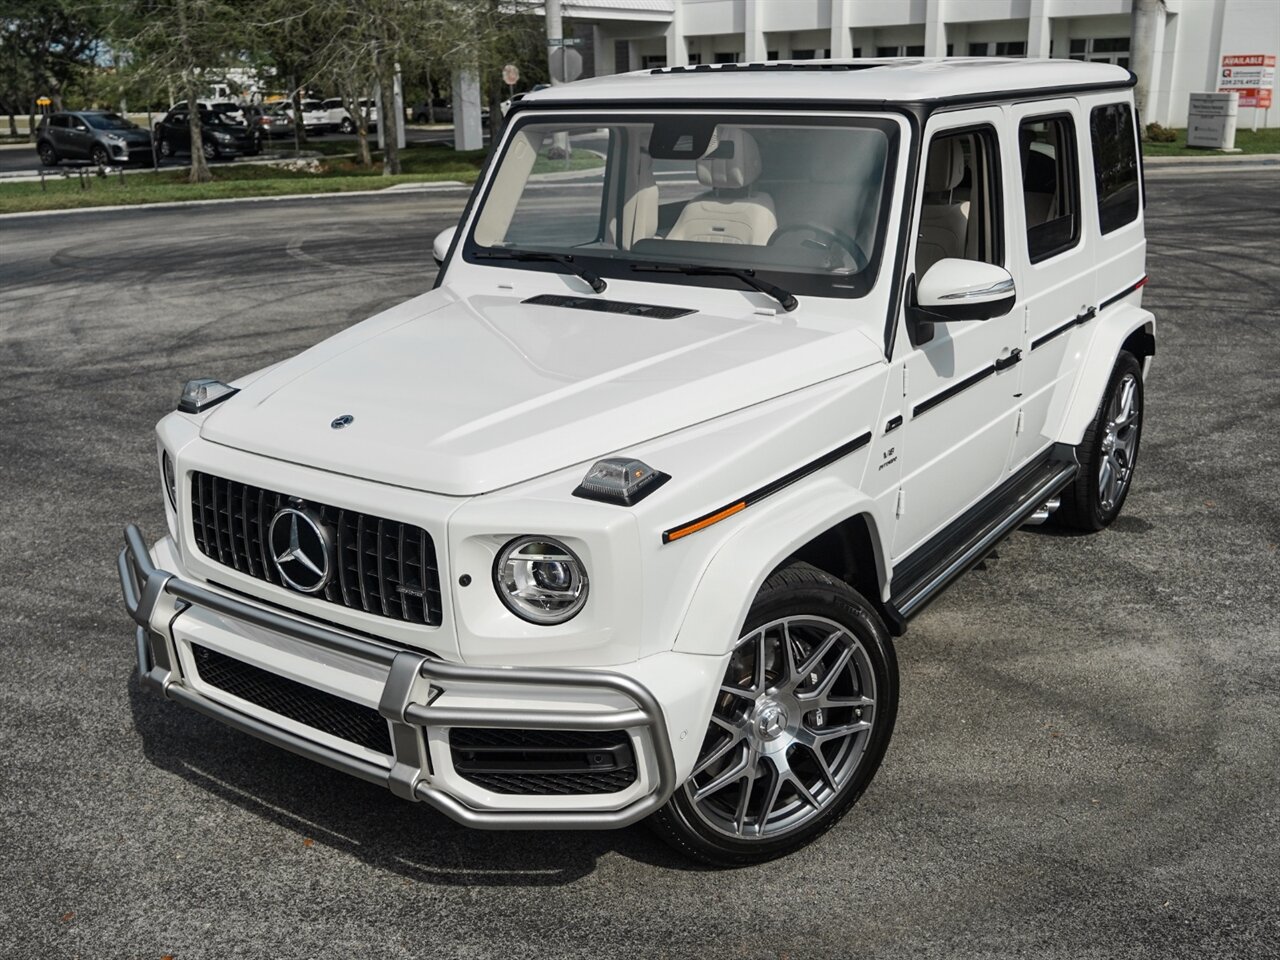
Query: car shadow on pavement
[326, 807]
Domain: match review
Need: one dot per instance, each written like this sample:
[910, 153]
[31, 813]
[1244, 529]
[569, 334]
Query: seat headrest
[944, 169]
[731, 161]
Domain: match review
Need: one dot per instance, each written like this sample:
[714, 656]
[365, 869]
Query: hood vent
[609, 306]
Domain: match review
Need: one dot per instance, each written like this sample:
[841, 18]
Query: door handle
[1014, 357]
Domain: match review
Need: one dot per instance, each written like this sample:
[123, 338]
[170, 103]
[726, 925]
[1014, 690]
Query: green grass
[421, 163]
[1264, 141]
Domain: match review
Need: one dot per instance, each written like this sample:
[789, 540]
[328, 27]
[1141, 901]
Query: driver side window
[960, 210]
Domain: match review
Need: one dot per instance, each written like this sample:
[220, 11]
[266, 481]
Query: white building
[1192, 36]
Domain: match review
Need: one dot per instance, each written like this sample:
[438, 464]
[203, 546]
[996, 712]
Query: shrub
[1159, 134]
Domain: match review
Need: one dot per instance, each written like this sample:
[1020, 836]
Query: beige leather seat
[944, 223]
[733, 212]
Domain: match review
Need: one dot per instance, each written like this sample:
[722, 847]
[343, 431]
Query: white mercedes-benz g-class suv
[728, 371]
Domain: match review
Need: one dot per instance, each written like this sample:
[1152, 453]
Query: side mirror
[444, 240]
[955, 289]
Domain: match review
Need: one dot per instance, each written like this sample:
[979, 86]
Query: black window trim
[1077, 233]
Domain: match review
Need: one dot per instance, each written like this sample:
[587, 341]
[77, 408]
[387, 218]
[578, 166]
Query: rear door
[1052, 262]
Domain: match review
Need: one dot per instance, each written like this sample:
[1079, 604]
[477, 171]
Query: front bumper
[414, 698]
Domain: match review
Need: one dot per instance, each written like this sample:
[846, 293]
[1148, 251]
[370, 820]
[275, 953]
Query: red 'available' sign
[1251, 75]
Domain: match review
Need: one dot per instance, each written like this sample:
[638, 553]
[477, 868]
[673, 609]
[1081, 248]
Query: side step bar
[927, 571]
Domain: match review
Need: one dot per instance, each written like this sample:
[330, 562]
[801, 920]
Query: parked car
[220, 136]
[622, 518]
[235, 111]
[443, 110]
[270, 123]
[96, 135]
[338, 119]
[315, 119]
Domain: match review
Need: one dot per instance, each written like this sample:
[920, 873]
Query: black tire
[209, 149]
[100, 156]
[347, 126]
[797, 591]
[165, 149]
[48, 156]
[1083, 506]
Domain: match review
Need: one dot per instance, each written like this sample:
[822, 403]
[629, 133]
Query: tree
[47, 45]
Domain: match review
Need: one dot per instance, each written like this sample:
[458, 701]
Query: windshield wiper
[745, 274]
[564, 259]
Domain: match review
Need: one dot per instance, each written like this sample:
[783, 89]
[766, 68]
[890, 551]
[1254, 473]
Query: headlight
[219, 135]
[170, 479]
[199, 395]
[116, 139]
[540, 580]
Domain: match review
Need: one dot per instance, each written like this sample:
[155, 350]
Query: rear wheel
[798, 730]
[1108, 454]
[48, 156]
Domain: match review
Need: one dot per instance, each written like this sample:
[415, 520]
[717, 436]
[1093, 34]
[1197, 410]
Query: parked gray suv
[95, 135]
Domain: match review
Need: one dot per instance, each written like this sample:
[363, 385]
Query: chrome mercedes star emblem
[343, 421]
[300, 550]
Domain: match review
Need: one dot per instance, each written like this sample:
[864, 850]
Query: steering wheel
[834, 239]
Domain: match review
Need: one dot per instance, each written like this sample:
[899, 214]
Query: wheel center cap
[769, 720]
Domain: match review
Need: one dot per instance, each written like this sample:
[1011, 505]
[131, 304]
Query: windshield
[801, 201]
[221, 119]
[109, 121]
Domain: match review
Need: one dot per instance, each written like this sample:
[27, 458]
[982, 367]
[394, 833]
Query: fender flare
[1116, 326]
[733, 576]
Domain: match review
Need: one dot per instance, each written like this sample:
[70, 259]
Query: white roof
[903, 79]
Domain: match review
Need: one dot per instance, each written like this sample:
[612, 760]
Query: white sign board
[1252, 75]
[1211, 120]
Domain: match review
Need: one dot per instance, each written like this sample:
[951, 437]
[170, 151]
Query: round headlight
[540, 580]
[170, 479]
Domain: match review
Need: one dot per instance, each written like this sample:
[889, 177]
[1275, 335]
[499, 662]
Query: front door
[79, 140]
[960, 386]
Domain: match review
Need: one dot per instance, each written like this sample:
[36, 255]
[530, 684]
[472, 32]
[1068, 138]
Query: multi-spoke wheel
[1109, 452]
[798, 727]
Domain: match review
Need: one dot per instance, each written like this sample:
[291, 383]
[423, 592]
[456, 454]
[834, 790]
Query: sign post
[1252, 76]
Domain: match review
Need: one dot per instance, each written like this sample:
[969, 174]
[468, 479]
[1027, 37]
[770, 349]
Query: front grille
[383, 567]
[307, 705]
[544, 761]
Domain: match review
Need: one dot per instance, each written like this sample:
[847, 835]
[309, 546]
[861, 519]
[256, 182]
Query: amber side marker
[706, 520]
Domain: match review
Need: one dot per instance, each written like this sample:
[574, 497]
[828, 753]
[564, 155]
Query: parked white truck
[621, 519]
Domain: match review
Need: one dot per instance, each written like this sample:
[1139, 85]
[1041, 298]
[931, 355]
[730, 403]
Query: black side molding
[927, 404]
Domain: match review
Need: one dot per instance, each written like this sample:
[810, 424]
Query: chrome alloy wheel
[789, 728]
[1119, 442]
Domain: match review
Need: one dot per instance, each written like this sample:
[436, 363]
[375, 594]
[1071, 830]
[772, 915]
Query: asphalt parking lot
[1087, 757]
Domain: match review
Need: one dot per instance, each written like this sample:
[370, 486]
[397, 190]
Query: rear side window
[1050, 185]
[60, 120]
[1115, 164]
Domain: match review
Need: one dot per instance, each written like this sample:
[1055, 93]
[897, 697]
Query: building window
[951, 49]
[726, 58]
[1115, 164]
[1102, 50]
[802, 55]
[914, 50]
[653, 62]
[621, 56]
[1011, 48]
[826, 53]
[1050, 185]
[695, 59]
[977, 49]
[771, 55]
[857, 52]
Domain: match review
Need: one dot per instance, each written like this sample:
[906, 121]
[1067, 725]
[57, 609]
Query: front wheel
[101, 157]
[1108, 454]
[347, 126]
[166, 149]
[209, 149]
[799, 728]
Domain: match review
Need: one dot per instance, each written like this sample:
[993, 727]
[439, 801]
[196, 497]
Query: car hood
[464, 396]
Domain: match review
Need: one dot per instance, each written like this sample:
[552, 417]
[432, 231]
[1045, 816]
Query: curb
[439, 186]
[1215, 159]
